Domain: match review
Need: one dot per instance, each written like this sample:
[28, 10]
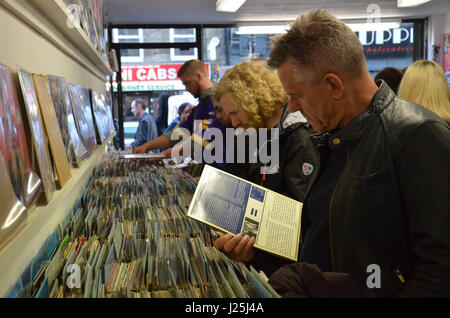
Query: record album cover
[13, 144]
[76, 9]
[85, 128]
[85, 99]
[38, 134]
[58, 92]
[80, 118]
[52, 128]
[90, 27]
[11, 210]
[96, 7]
[80, 151]
[107, 101]
[108, 106]
[100, 116]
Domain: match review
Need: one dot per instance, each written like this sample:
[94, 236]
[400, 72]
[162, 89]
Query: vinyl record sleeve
[97, 16]
[58, 92]
[76, 9]
[80, 151]
[38, 134]
[83, 103]
[87, 108]
[100, 119]
[111, 127]
[80, 118]
[52, 128]
[90, 27]
[107, 100]
[104, 112]
[13, 144]
[11, 210]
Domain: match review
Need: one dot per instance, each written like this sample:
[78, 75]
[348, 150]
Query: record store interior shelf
[52, 19]
[42, 220]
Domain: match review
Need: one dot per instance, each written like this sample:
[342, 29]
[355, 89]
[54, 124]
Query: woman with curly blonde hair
[424, 83]
[252, 96]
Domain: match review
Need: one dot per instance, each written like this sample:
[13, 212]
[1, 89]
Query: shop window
[130, 36]
[223, 48]
[182, 36]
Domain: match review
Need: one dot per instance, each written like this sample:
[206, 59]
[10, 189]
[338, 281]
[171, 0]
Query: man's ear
[198, 76]
[334, 84]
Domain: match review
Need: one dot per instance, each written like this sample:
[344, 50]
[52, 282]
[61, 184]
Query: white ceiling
[204, 11]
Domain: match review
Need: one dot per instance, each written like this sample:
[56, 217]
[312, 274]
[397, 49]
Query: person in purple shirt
[194, 77]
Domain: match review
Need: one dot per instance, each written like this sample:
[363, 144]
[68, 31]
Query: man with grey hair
[146, 130]
[379, 207]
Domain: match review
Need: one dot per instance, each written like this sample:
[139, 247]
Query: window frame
[140, 37]
[173, 36]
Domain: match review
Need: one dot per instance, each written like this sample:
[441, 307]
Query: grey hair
[320, 43]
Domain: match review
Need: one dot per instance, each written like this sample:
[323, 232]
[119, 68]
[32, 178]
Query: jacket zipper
[330, 209]
[329, 228]
[399, 275]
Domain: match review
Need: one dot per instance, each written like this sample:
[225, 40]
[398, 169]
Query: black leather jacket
[391, 204]
[296, 149]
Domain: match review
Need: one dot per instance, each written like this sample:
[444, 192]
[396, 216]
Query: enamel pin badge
[307, 168]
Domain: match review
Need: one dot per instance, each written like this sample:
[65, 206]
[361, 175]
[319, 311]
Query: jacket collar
[357, 127]
[143, 115]
[207, 94]
[282, 134]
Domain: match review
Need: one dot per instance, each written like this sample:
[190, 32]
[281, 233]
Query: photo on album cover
[13, 143]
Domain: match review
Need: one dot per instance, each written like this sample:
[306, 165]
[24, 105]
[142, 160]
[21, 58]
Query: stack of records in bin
[130, 237]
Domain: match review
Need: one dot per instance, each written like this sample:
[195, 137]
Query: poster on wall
[13, 145]
[39, 137]
[52, 128]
